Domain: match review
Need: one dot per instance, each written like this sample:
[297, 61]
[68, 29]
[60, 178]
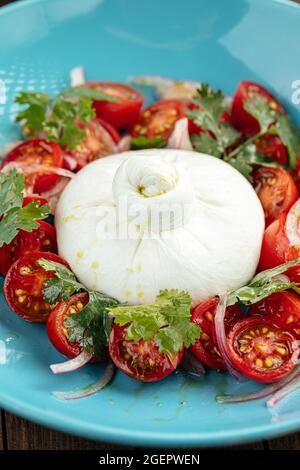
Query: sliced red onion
[292, 224]
[283, 392]
[28, 169]
[72, 364]
[191, 365]
[180, 138]
[70, 162]
[262, 392]
[221, 337]
[124, 144]
[90, 389]
[77, 76]
[169, 89]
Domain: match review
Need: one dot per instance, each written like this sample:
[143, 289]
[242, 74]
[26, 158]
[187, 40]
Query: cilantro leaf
[205, 143]
[21, 218]
[249, 155]
[258, 107]
[167, 322]
[90, 93]
[290, 136]
[58, 117]
[241, 165]
[11, 191]
[34, 115]
[142, 142]
[63, 285]
[92, 325]
[229, 135]
[263, 284]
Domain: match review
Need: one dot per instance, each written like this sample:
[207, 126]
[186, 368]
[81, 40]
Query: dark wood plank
[24, 435]
[2, 431]
[290, 442]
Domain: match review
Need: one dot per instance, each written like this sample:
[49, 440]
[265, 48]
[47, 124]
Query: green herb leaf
[167, 321]
[241, 165]
[205, 143]
[63, 285]
[90, 93]
[290, 136]
[142, 142]
[21, 218]
[258, 107]
[56, 116]
[229, 135]
[11, 191]
[263, 284]
[92, 325]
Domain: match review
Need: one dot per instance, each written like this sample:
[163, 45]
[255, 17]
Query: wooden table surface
[19, 434]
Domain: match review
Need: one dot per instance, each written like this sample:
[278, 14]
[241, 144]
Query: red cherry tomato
[57, 329]
[24, 284]
[205, 348]
[262, 350]
[140, 360]
[41, 152]
[241, 119]
[283, 308]
[276, 190]
[123, 113]
[271, 146]
[98, 143]
[276, 249]
[159, 119]
[41, 239]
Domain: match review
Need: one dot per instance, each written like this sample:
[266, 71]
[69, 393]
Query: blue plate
[216, 41]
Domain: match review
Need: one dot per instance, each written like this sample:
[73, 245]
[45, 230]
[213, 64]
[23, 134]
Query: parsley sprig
[168, 321]
[220, 139]
[57, 117]
[14, 217]
[264, 284]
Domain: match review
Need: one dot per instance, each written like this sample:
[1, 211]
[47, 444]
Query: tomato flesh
[272, 147]
[205, 348]
[98, 143]
[57, 329]
[159, 119]
[283, 307]
[241, 119]
[27, 199]
[276, 190]
[140, 360]
[41, 152]
[121, 114]
[262, 350]
[41, 239]
[23, 286]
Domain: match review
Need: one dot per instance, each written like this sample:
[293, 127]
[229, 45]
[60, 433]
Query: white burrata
[137, 222]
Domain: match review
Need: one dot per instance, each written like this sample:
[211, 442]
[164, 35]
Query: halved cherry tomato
[241, 119]
[57, 329]
[283, 307]
[276, 249]
[28, 199]
[121, 114]
[140, 360]
[205, 348]
[98, 143]
[159, 119]
[276, 190]
[271, 146]
[41, 152]
[261, 349]
[24, 284]
[41, 239]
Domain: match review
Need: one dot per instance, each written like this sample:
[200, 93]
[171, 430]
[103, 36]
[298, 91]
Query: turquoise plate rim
[117, 435]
